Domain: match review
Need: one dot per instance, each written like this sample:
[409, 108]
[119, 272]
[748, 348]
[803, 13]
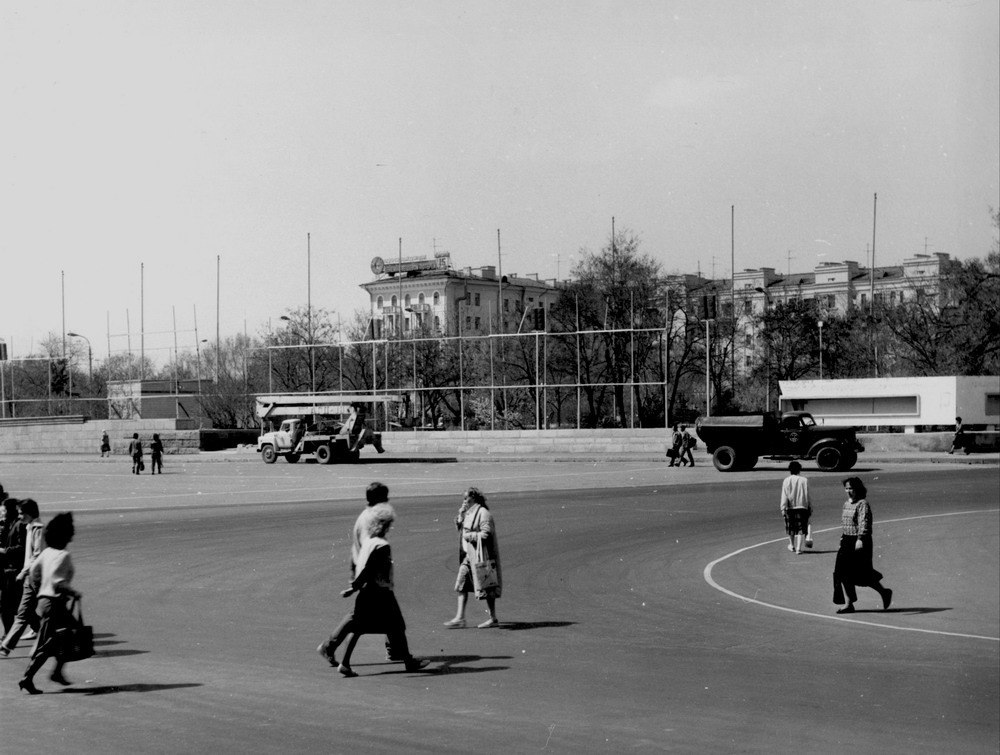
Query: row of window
[436, 300]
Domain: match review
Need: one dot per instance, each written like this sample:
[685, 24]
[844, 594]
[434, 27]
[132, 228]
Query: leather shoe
[886, 599]
[58, 678]
[324, 650]
[346, 670]
[415, 664]
[455, 624]
[28, 686]
[489, 623]
[846, 609]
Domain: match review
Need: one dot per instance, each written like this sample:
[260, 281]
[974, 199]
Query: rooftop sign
[441, 261]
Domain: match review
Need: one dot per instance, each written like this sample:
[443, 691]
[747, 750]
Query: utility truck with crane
[331, 428]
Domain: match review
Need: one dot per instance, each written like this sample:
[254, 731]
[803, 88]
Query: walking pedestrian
[25, 617]
[53, 571]
[854, 558]
[12, 534]
[376, 610]
[958, 439]
[478, 534]
[674, 451]
[156, 454]
[105, 444]
[688, 443]
[796, 508]
[376, 495]
[135, 451]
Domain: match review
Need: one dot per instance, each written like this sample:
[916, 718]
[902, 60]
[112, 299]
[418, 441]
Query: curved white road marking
[745, 599]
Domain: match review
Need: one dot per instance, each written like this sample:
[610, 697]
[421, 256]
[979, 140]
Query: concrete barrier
[75, 437]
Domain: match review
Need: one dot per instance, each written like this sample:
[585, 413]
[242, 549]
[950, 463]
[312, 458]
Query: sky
[144, 146]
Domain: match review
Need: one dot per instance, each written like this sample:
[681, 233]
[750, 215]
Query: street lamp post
[820, 325]
[767, 355]
[90, 355]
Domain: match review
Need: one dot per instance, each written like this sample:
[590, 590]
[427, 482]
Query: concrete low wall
[22, 437]
[84, 437]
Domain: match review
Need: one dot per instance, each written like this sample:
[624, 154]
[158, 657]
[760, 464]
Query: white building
[417, 292]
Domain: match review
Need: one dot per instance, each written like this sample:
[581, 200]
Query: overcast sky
[164, 134]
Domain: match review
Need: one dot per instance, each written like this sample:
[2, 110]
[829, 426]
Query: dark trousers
[395, 642]
[54, 616]
[10, 598]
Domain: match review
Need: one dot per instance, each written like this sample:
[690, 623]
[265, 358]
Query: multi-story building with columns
[417, 293]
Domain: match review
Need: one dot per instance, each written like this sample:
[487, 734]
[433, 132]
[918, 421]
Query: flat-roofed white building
[914, 402]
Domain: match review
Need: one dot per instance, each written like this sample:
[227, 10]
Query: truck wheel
[324, 454]
[850, 459]
[748, 462]
[268, 455]
[829, 459]
[724, 459]
[292, 458]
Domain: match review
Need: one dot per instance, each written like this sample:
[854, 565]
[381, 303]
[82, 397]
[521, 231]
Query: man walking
[796, 508]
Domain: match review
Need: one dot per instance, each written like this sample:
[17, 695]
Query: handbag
[671, 453]
[484, 573]
[142, 466]
[77, 637]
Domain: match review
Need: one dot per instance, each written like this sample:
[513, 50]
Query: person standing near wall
[105, 444]
[156, 454]
[135, 451]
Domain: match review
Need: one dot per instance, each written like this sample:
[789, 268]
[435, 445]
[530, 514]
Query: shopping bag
[484, 573]
[671, 453]
[78, 638]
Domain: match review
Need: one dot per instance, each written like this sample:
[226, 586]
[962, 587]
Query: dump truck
[736, 443]
[331, 428]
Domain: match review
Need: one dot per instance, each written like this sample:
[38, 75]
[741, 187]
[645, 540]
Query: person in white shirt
[52, 571]
[796, 508]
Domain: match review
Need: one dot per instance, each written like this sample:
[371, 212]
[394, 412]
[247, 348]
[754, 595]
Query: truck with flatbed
[737, 443]
[331, 428]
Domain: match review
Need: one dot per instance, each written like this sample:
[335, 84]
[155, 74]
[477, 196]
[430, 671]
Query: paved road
[210, 587]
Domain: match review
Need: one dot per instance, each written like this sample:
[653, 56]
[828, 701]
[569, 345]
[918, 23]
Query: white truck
[330, 428]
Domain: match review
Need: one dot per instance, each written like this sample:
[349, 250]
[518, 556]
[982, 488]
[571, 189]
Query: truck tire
[725, 459]
[748, 462]
[324, 454]
[850, 459]
[829, 459]
[268, 455]
[292, 458]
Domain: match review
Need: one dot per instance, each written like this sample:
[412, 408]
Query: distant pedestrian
[53, 572]
[688, 443]
[105, 444]
[34, 543]
[156, 454]
[478, 534]
[796, 508]
[674, 451]
[376, 610]
[958, 439]
[376, 495]
[854, 558]
[135, 451]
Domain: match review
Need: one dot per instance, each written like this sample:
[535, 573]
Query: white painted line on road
[745, 599]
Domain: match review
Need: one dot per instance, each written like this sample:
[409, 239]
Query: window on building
[506, 305]
[420, 298]
[406, 324]
[748, 341]
[747, 306]
[831, 301]
[479, 324]
[892, 297]
[531, 300]
[864, 300]
[748, 363]
[406, 300]
[468, 321]
[377, 328]
[475, 298]
[393, 300]
[437, 323]
[378, 302]
[437, 298]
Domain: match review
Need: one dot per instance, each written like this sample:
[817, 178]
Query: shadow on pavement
[518, 625]
[114, 688]
[914, 610]
[444, 664]
[117, 653]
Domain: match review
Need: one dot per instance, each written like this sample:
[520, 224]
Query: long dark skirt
[377, 612]
[853, 568]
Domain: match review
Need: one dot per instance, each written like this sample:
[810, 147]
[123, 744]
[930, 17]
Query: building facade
[421, 294]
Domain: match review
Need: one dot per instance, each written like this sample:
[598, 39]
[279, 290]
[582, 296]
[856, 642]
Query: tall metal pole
[62, 277]
[499, 284]
[399, 277]
[197, 349]
[218, 317]
[871, 284]
[708, 369]
[732, 292]
[309, 306]
[177, 408]
[142, 321]
[820, 324]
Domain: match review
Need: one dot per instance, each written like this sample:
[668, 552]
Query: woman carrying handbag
[479, 536]
[52, 571]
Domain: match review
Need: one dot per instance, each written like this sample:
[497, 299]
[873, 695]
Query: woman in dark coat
[376, 610]
[854, 559]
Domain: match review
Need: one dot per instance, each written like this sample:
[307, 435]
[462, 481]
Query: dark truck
[736, 443]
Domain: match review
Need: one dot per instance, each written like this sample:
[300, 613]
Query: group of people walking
[376, 610]
[682, 443]
[853, 566]
[155, 454]
[36, 587]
